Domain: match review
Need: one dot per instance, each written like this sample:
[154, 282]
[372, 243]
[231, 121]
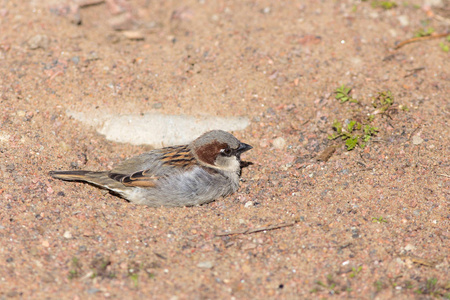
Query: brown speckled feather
[179, 156]
[174, 157]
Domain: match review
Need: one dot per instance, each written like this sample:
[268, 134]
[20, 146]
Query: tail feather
[71, 175]
[100, 179]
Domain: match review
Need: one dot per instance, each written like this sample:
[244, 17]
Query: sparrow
[187, 175]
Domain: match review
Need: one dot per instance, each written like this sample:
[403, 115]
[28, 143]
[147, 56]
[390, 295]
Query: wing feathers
[171, 159]
[138, 179]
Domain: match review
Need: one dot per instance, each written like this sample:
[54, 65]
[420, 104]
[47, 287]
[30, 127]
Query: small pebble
[38, 41]
[344, 172]
[417, 140]
[403, 19]
[248, 246]
[75, 59]
[157, 105]
[279, 143]
[121, 22]
[67, 235]
[264, 144]
[205, 264]
[374, 15]
[133, 35]
[285, 167]
[92, 56]
[214, 18]
[248, 204]
[74, 13]
[410, 247]
[93, 291]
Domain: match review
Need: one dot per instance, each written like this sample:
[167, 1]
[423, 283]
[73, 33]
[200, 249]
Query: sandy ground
[367, 223]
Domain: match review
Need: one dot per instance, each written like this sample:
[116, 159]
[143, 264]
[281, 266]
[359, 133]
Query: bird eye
[226, 151]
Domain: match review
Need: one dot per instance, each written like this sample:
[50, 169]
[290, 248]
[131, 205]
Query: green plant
[355, 271]
[378, 285]
[379, 220]
[354, 134]
[431, 284]
[422, 32]
[133, 272]
[99, 267]
[444, 47]
[343, 94]
[431, 288]
[329, 285]
[75, 270]
[383, 101]
[72, 274]
[384, 4]
[358, 131]
[369, 131]
[135, 278]
[408, 285]
[404, 107]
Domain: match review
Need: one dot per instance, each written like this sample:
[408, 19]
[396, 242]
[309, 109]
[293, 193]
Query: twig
[414, 131]
[418, 155]
[444, 175]
[413, 71]
[160, 255]
[420, 38]
[259, 229]
[85, 3]
[418, 260]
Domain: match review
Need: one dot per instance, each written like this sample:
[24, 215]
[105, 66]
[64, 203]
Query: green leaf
[444, 47]
[338, 126]
[342, 94]
[369, 130]
[384, 4]
[351, 143]
[351, 125]
[422, 32]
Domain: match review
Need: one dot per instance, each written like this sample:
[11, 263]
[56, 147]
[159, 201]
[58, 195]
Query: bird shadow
[245, 164]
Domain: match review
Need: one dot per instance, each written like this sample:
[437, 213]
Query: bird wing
[138, 179]
[145, 170]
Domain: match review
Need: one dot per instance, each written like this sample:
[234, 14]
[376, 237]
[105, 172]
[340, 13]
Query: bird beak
[243, 147]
